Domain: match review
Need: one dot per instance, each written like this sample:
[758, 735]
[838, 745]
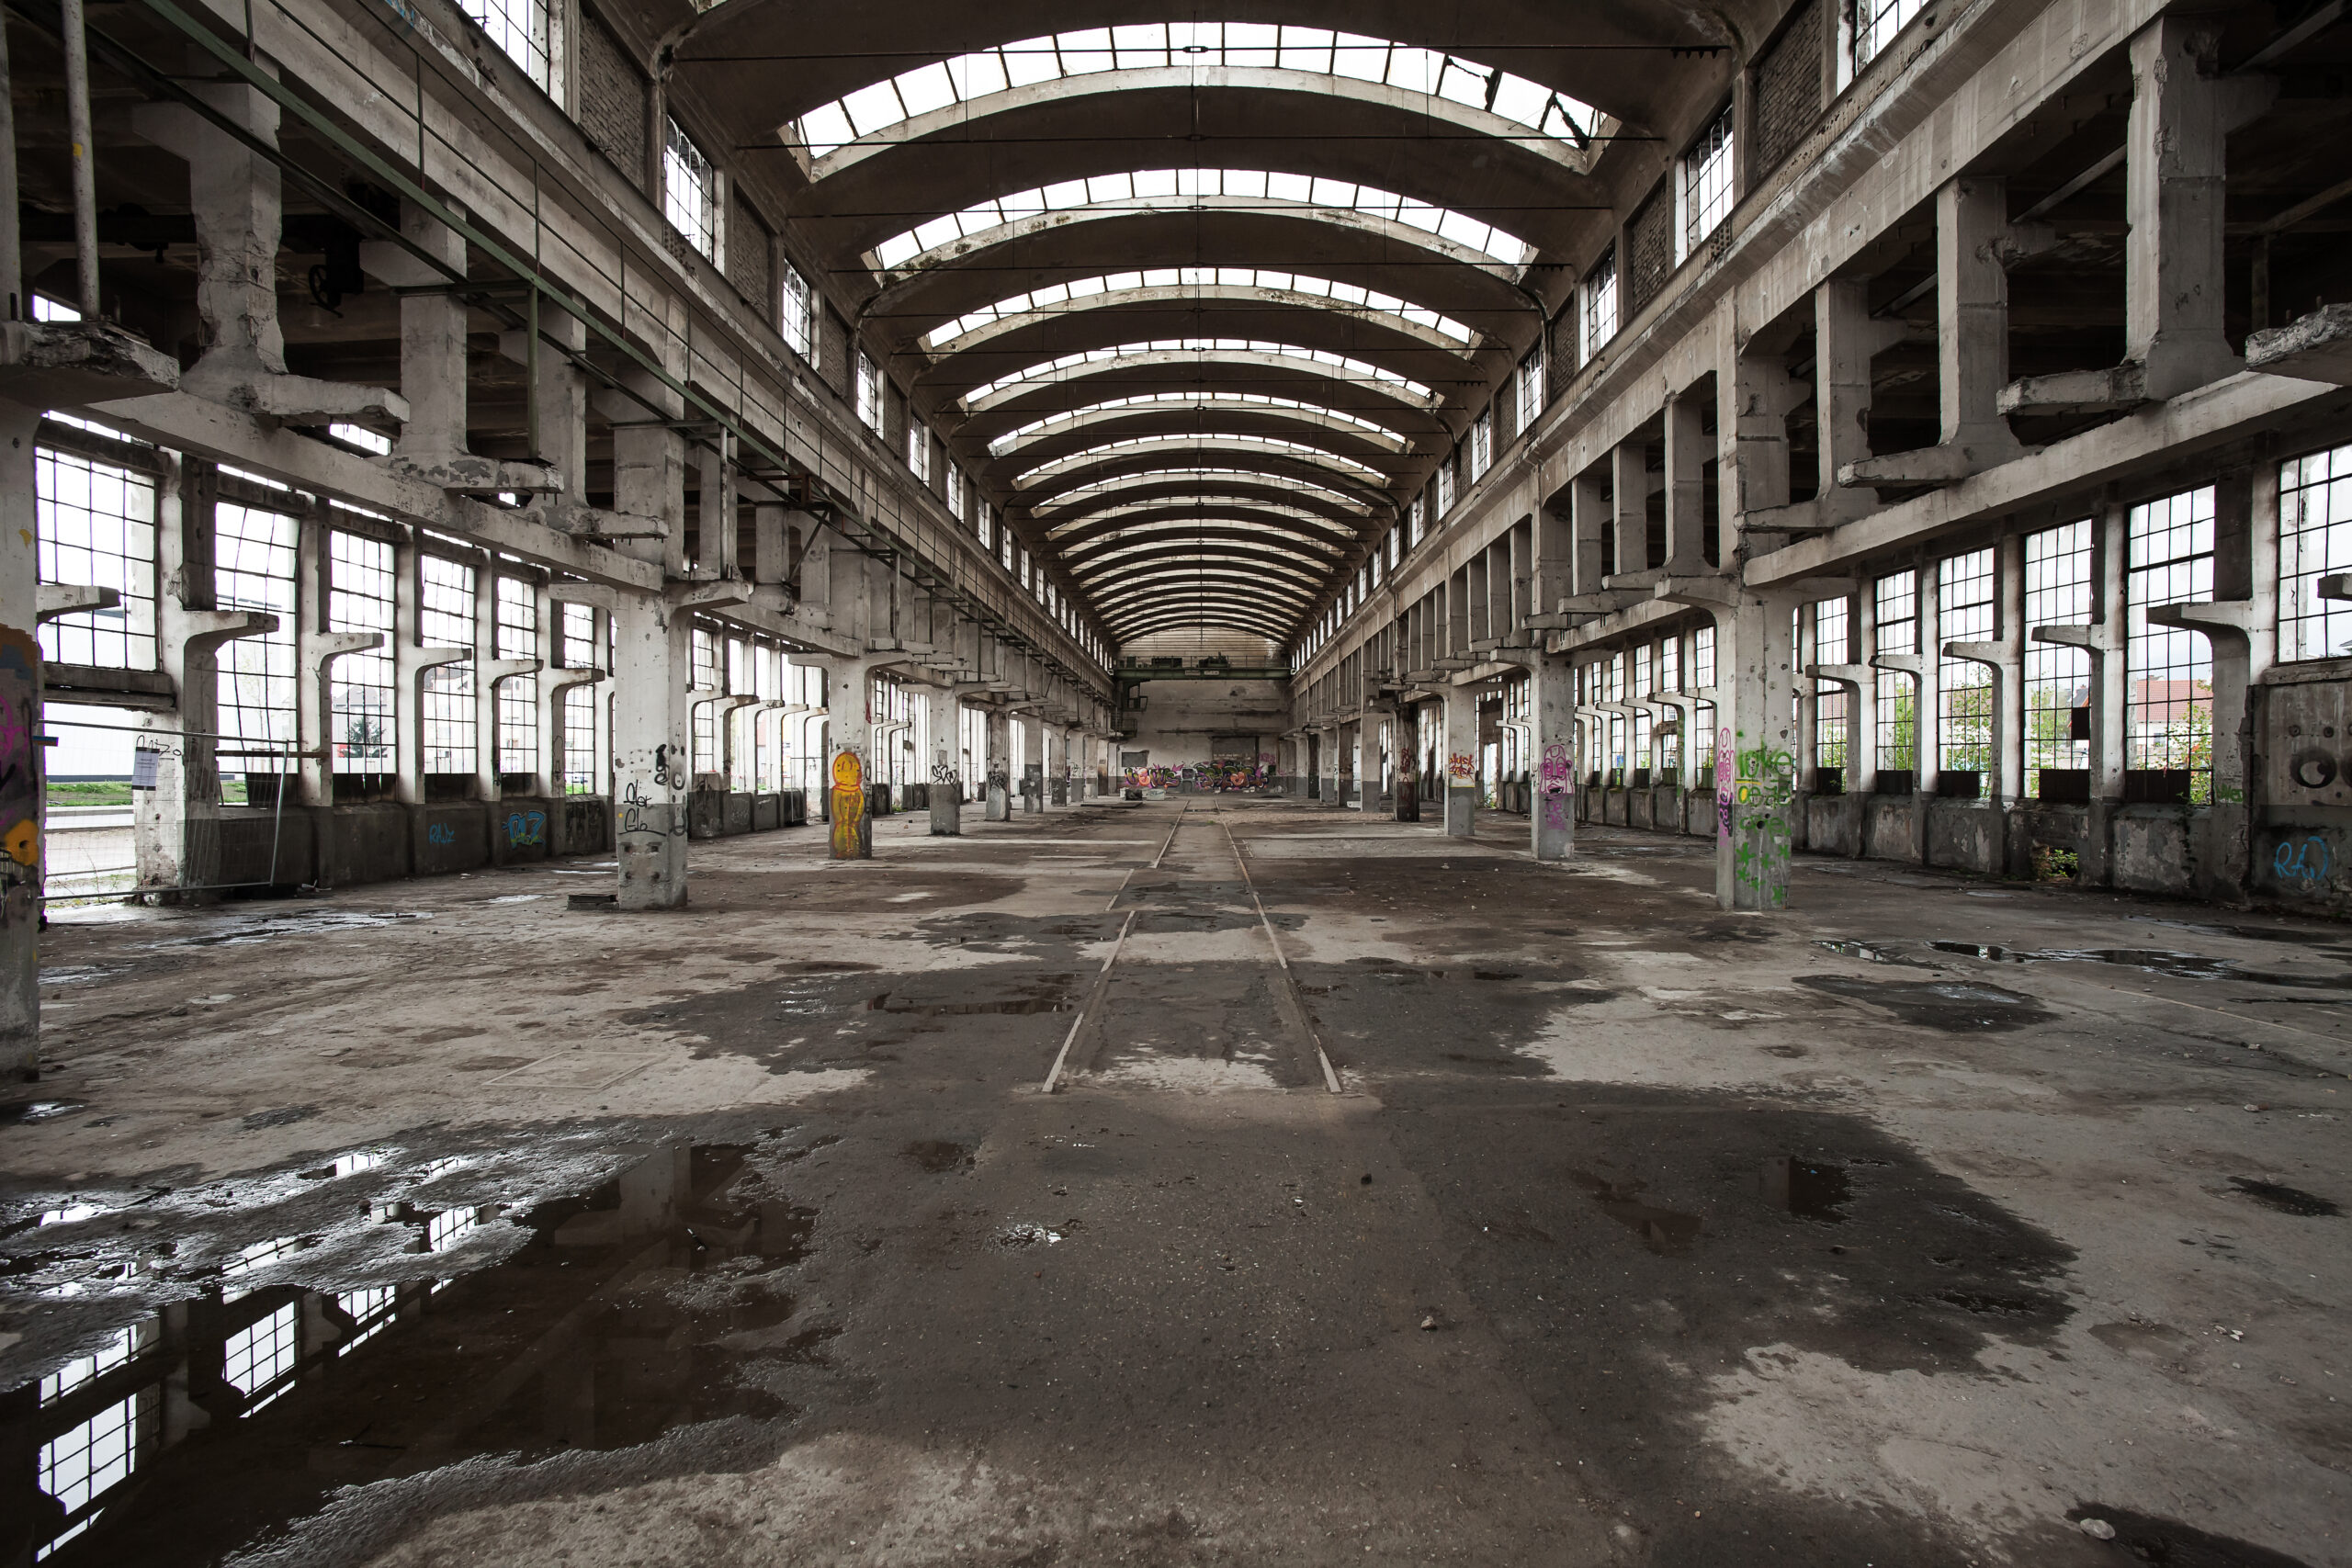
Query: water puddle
[38, 1111]
[310, 922]
[2148, 960]
[1663, 1231]
[1952, 1006]
[220, 1393]
[1872, 952]
[1044, 993]
[1809, 1188]
[2284, 1199]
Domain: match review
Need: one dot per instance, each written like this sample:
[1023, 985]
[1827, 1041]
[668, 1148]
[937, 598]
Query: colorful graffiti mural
[852, 832]
[20, 773]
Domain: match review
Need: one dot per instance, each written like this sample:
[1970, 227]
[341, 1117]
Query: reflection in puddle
[1810, 1189]
[238, 1412]
[1873, 952]
[1663, 1231]
[40, 1109]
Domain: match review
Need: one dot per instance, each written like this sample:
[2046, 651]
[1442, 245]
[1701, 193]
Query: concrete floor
[1638, 1233]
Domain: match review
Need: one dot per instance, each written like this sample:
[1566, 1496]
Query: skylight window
[1354, 369]
[1270, 443]
[1087, 291]
[1195, 402]
[1201, 190]
[1159, 46]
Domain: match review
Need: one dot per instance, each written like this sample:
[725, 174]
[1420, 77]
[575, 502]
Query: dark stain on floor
[1952, 1007]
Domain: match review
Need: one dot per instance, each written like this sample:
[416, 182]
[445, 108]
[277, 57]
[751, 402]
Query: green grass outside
[91, 792]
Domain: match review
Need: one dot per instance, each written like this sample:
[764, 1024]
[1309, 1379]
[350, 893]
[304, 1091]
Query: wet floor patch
[24, 1111]
[2148, 960]
[1872, 952]
[1809, 1188]
[2286, 1200]
[1382, 1015]
[407, 1334]
[246, 930]
[2133, 1537]
[1954, 1006]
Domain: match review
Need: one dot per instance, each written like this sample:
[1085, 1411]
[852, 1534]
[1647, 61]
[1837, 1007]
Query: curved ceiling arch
[1275, 362]
[1126, 622]
[1175, 374]
[1198, 534]
[894, 109]
[1115, 289]
[1186, 494]
[1183, 617]
[1174, 521]
[1286, 568]
[1241, 430]
[1225, 411]
[1180, 445]
[1271, 468]
[1349, 511]
[1202, 576]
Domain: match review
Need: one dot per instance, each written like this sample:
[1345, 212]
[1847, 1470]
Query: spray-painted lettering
[2303, 864]
[526, 828]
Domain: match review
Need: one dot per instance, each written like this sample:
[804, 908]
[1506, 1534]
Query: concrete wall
[1179, 717]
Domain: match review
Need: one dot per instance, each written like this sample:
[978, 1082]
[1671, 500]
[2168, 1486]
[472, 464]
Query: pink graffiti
[1558, 769]
[1726, 782]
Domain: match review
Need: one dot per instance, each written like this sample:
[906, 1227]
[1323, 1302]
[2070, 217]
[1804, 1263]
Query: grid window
[799, 313]
[2057, 680]
[1702, 659]
[869, 392]
[580, 740]
[578, 628]
[256, 1356]
[97, 528]
[955, 488]
[2315, 540]
[690, 192]
[519, 27]
[371, 1313]
[1445, 486]
[517, 637]
[1531, 389]
[84, 1460]
[359, 599]
[1703, 195]
[918, 450]
[1832, 631]
[705, 657]
[2168, 705]
[1875, 23]
[1601, 304]
[1482, 446]
[253, 569]
[1897, 602]
[1964, 589]
[447, 621]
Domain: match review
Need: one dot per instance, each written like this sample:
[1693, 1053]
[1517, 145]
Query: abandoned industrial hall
[1521, 783]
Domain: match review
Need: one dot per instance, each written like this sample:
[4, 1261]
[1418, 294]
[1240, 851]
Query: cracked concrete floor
[1932, 1222]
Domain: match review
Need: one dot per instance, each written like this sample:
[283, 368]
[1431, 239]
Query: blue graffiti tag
[440, 833]
[2303, 861]
[526, 828]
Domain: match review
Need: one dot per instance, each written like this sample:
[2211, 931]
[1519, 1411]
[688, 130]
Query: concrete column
[999, 731]
[851, 772]
[1687, 451]
[1972, 318]
[653, 748]
[1461, 761]
[433, 344]
[1754, 754]
[234, 197]
[946, 773]
[1057, 769]
[1845, 342]
[714, 511]
[1629, 483]
[1327, 750]
[1033, 762]
[1590, 514]
[2174, 189]
[21, 764]
[1753, 434]
[1552, 813]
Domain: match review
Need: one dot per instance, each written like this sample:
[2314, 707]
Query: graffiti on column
[20, 775]
[997, 777]
[849, 807]
[2301, 865]
[1726, 781]
[1462, 766]
[943, 771]
[1764, 791]
[1557, 776]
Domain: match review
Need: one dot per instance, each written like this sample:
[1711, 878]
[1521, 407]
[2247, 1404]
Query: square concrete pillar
[1688, 447]
[998, 729]
[653, 748]
[1461, 761]
[942, 709]
[1845, 342]
[1552, 814]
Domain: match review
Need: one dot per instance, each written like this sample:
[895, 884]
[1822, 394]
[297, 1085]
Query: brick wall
[747, 264]
[1787, 89]
[612, 99]
[1650, 237]
[835, 358]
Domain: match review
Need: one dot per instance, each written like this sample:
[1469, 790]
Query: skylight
[1087, 291]
[1200, 403]
[1199, 190]
[1310, 51]
[1355, 370]
[1181, 442]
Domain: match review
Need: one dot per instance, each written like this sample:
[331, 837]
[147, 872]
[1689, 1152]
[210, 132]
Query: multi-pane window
[579, 740]
[97, 528]
[1965, 594]
[918, 450]
[361, 690]
[253, 569]
[91, 1458]
[798, 320]
[707, 677]
[2057, 679]
[1601, 303]
[1703, 191]
[1445, 486]
[447, 620]
[1481, 451]
[1416, 521]
[1896, 601]
[690, 192]
[258, 1357]
[518, 695]
[1875, 23]
[372, 1311]
[2168, 703]
[578, 630]
[2315, 541]
[869, 392]
[519, 27]
[1832, 631]
[955, 488]
[1531, 389]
